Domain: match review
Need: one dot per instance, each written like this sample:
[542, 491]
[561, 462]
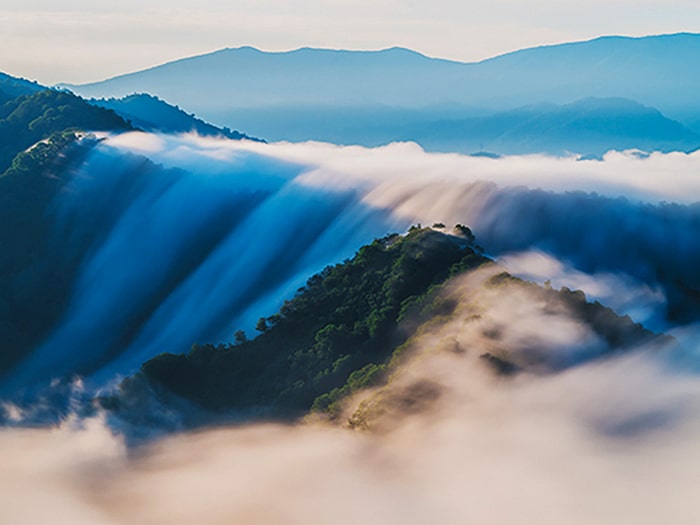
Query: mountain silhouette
[590, 126]
[376, 97]
[656, 71]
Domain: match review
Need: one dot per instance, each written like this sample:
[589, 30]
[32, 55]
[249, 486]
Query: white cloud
[623, 294]
[612, 442]
[660, 177]
[607, 443]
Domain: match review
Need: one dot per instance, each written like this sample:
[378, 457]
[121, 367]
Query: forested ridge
[336, 333]
[27, 119]
[344, 331]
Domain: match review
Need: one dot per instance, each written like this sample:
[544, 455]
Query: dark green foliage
[334, 337]
[33, 163]
[27, 119]
[619, 332]
[261, 325]
[239, 337]
[366, 376]
[464, 231]
[25, 191]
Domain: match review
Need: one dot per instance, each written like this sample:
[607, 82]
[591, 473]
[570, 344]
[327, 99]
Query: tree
[465, 232]
[261, 326]
[239, 337]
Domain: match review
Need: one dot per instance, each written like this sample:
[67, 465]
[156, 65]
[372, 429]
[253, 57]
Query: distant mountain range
[654, 71]
[374, 97]
[588, 126]
[591, 125]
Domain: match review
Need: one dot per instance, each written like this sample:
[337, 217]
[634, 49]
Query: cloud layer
[208, 235]
[610, 442]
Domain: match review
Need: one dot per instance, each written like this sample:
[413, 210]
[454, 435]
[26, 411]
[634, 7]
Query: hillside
[27, 119]
[342, 322]
[11, 87]
[149, 113]
[348, 328]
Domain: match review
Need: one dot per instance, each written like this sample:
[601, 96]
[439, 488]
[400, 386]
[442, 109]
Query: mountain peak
[601, 41]
[305, 50]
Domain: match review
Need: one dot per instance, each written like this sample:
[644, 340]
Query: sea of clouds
[201, 236]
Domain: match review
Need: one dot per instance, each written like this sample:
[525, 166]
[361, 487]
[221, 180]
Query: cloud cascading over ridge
[208, 235]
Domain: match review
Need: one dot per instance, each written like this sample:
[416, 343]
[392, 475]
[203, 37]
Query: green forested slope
[340, 332]
[342, 325]
[27, 119]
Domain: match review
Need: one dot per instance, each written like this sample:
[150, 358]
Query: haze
[81, 41]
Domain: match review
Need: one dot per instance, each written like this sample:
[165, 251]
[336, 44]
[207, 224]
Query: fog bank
[609, 442]
[183, 239]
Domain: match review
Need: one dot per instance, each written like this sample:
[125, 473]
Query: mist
[183, 239]
[170, 256]
[582, 433]
[600, 441]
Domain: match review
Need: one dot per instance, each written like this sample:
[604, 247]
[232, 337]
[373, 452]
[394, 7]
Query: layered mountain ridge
[377, 97]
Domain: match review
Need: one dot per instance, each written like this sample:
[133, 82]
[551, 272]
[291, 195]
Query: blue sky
[80, 40]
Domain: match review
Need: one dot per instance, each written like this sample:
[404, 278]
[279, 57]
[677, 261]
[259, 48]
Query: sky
[85, 40]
